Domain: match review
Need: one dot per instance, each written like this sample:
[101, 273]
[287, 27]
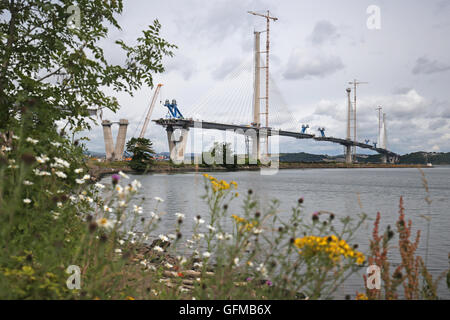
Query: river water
[335, 190]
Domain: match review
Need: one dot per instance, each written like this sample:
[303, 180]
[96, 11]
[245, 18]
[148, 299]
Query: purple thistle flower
[249, 279]
[115, 179]
[269, 283]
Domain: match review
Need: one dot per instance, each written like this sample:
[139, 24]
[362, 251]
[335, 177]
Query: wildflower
[42, 159]
[56, 215]
[172, 236]
[79, 181]
[28, 183]
[158, 248]
[168, 265]
[159, 199]
[262, 269]
[315, 216]
[206, 254]
[163, 238]
[26, 200]
[361, 296]
[56, 144]
[61, 174]
[104, 223]
[199, 220]
[269, 283]
[86, 177]
[99, 185]
[154, 215]
[198, 264]
[220, 236]
[137, 209]
[122, 203]
[59, 204]
[121, 242]
[32, 141]
[236, 261]
[257, 231]
[330, 246]
[179, 215]
[211, 228]
[118, 250]
[136, 184]
[79, 170]
[15, 137]
[250, 264]
[60, 163]
[123, 175]
[115, 179]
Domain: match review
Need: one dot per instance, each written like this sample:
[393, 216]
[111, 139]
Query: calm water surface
[335, 190]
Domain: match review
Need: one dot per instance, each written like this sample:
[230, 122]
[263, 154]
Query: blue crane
[367, 141]
[174, 112]
[304, 127]
[322, 131]
[375, 144]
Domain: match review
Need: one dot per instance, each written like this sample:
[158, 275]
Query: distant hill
[302, 157]
[422, 157]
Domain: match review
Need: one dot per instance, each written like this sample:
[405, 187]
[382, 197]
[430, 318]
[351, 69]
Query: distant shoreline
[99, 171]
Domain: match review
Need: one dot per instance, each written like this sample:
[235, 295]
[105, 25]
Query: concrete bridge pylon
[177, 138]
[114, 152]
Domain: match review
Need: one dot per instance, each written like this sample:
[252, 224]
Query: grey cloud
[427, 66]
[227, 66]
[182, 65]
[437, 124]
[304, 65]
[323, 32]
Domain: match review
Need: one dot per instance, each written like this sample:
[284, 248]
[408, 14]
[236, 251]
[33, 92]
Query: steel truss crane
[150, 110]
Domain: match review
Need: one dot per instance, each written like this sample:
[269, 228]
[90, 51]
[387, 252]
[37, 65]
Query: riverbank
[100, 169]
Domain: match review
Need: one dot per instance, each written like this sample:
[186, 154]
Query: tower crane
[150, 110]
[304, 127]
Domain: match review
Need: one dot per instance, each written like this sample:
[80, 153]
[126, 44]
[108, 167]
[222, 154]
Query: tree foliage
[56, 68]
[142, 150]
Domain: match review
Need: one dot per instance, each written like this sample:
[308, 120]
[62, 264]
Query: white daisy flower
[79, 170]
[158, 248]
[199, 220]
[99, 185]
[79, 181]
[163, 238]
[31, 140]
[159, 199]
[211, 228]
[136, 184]
[56, 144]
[206, 254]
[86, 177]
[118, 250]
[28, 183]
[26, 200]
[236, 261]
[137, 209]
[179, 215]
[105, 223]
[61, 174]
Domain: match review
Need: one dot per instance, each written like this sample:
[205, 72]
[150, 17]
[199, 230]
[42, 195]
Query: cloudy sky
[317, 47]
